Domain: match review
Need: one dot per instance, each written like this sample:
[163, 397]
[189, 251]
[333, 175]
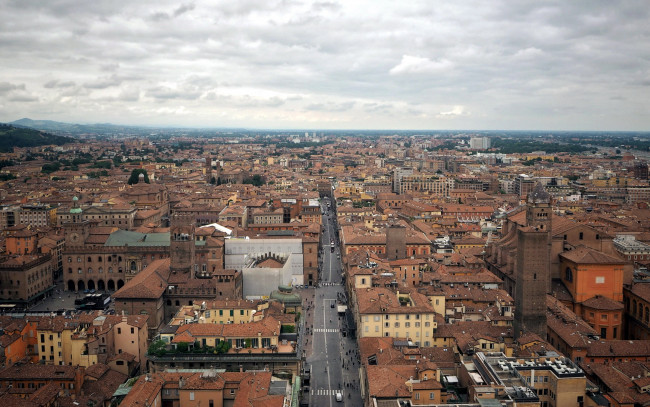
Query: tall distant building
[398, 174]
[396, 242]
[533, 270]
[182, 246]
[479, 143]
[641, 170]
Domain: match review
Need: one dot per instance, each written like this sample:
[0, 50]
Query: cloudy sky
[574, 65]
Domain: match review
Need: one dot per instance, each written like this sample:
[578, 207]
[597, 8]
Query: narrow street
[331, 356]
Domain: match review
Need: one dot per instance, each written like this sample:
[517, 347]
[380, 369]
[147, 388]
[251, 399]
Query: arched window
[90, 259]
[568, 274]
[101, 270]
[99, 258]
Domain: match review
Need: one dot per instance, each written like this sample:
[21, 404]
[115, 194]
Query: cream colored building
[219, 312]
[382, 312]
[91, 338]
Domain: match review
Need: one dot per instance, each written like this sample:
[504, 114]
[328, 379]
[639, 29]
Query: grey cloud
[103, 83]
[180, 10]
[22, 97]
[55, 83]
[183, 9]
[331, 107]
[110, 67]
[129, 95]
[6, 87]
[163, 92]
[159, 16]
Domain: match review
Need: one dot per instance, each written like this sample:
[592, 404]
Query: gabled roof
[150, 283]
[586, 255]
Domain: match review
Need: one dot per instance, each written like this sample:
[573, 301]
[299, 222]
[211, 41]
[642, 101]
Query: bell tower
[76, 229]
[182, 245]
[533, 270]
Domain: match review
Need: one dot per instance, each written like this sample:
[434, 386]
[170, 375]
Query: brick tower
[396, 242]
[533, 265]
[182, 246]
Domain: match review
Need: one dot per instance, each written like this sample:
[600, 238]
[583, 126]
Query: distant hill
[70, 128]
[12, 136]
[108, 129]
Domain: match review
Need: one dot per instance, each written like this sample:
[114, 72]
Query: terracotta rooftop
[586, 255]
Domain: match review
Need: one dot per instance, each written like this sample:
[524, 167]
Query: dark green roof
[126, 237]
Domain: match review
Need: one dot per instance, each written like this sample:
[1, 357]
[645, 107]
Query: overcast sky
[574, 65]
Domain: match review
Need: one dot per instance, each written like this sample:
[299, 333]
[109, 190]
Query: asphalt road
[331, 356]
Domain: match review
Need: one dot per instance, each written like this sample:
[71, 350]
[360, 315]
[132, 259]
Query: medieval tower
[533, 265]
[182, 245]
[396, 242]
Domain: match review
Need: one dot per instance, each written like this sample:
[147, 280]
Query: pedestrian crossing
[324, 392]
[326, 330]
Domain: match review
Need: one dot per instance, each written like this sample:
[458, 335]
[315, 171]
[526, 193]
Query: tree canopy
[135, 176]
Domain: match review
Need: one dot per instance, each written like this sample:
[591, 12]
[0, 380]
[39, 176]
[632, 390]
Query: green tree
[157, 348]
[102, 164]
[135, 176]
[256, 180]
[50, 167]
[222, 347]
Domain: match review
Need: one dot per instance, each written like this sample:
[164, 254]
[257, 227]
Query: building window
[568, 274]
[603, 333]
[191, 396]
[581, 236]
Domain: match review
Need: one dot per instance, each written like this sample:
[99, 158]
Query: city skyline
[359, 65]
